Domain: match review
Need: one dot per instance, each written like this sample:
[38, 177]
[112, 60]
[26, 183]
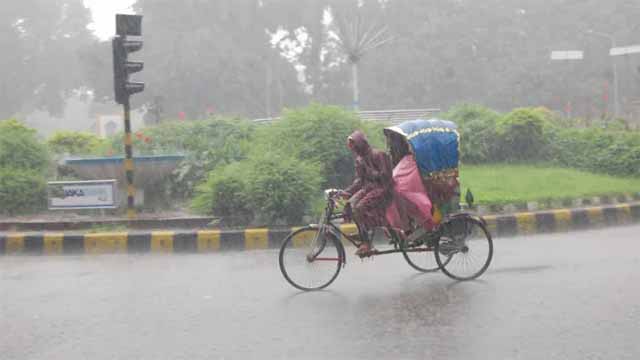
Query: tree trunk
[356, 89]
[317, 42]
[267, 84]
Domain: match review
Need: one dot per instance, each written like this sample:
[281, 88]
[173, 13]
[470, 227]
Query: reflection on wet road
[567, 296]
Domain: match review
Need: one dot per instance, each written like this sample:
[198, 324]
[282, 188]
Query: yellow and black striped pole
[126, 27]
[128, 162]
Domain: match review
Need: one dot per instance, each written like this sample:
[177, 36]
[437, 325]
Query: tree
[215, 54]
[253, 57]
[43, 38]
[356, 37]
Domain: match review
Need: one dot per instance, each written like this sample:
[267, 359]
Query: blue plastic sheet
[435, 143]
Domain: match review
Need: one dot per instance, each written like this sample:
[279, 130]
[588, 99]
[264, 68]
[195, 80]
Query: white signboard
[626, 50]
[567, 55]
[109, 125]
[99, 194]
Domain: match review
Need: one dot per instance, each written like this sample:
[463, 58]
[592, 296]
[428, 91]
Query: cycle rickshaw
[461, 246]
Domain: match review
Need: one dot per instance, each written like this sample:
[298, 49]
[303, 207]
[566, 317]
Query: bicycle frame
[326, 224]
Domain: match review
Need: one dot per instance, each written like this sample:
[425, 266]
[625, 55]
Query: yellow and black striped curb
[265, 238]
[560, 220]
[146, 242]
[603, 200]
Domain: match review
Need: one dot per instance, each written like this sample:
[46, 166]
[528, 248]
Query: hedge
[20, 147]
[532, 135]
[206, 144]
[74, 143]
[266, 188]
[316, 134]
[21, 191]
[23, 164]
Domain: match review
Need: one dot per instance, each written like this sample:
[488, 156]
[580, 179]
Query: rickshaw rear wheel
[464, 249]
[310, 259]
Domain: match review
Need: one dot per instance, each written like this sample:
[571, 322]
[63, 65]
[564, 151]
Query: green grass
[505, 184]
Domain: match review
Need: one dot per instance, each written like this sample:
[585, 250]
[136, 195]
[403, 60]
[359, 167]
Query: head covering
[360, 144]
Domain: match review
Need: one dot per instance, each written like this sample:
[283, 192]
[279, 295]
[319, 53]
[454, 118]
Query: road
[563, 296]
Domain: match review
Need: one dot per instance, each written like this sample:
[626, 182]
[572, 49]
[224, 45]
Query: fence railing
[390, 116]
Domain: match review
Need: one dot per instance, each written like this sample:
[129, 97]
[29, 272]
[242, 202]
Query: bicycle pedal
[367, 254]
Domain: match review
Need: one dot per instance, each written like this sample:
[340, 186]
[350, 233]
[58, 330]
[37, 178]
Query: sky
[103, 14]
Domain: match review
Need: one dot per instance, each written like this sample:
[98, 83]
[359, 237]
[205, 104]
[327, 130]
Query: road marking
[103, 243]
[162, 241]
[14, 243]
[492, 224]
[256, 239]
[208, 240]
[595, 216]
[526, 223]
[623, 213]
[303, 238]
[563, 219]
[52, 243]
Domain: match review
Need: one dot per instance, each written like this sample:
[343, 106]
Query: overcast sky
[103, 12]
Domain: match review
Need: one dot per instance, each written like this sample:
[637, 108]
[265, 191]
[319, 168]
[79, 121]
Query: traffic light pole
[127, 26]
[128, 161]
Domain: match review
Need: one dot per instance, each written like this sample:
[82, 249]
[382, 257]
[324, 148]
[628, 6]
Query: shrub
[20, 147]
[270, 187]
[74, 143]
[21, 191]
[185, 136]
[465, 113]
[281, 187]
[538, 134]
[521, 135]
[224, 194]
[478, 141]
[597, 150]
[478, 134]
[206, 145]
[622, 157]
[315, 134]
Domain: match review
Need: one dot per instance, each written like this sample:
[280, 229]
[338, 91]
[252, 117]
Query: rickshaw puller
[371, 191]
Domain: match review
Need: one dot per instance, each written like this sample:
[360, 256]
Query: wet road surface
[565, 296]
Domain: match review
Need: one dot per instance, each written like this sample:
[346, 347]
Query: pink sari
[410, 198]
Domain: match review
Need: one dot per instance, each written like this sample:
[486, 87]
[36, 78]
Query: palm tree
[356, 37]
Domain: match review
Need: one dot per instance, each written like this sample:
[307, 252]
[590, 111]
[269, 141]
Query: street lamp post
[616, 106]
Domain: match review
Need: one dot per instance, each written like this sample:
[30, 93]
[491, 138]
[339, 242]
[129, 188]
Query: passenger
[410, 198]
[370, 193]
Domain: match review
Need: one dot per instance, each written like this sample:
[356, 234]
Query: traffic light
[123, 44]
[127, 40]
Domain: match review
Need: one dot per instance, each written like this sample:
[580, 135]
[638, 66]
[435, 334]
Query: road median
[212, 240]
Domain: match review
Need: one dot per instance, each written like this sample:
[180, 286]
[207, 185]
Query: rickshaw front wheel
[311, 259]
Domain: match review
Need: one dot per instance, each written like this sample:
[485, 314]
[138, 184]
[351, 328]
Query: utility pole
[127, 27]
